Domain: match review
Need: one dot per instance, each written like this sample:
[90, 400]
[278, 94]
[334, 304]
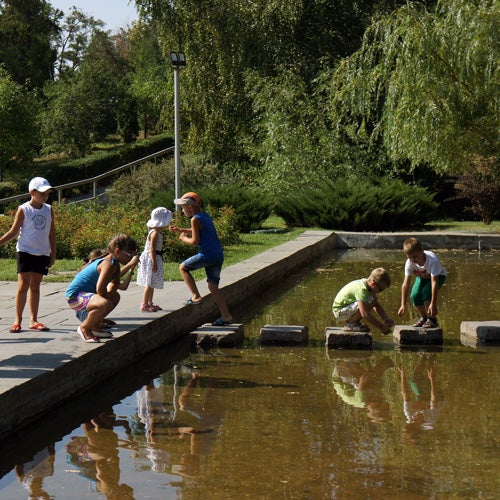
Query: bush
[359, 205]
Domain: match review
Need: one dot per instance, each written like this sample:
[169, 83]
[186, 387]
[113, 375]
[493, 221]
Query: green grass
[250, 245]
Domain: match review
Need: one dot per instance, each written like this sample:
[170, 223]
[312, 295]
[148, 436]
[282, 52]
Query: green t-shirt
[354, 291]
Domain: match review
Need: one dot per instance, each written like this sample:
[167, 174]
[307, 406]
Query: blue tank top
[210, 245]
[86, 280]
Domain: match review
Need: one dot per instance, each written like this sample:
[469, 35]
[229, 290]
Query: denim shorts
[213, 267]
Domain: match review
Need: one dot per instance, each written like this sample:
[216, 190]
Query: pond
[288, 422]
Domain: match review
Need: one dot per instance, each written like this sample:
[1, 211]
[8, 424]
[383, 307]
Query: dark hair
[123, 242]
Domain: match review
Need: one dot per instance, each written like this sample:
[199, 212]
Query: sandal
[91, 340]
[191, 302]
[15, 329]
[420, 323]
[431, 323]
[221, 322]
[148, 308]
[40, 327]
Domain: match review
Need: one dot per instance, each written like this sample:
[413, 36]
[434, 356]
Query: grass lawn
[250, 244]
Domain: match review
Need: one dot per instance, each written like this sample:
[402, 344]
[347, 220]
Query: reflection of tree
[31, 474]
[96, 455]
[360, 385]
[422, 401]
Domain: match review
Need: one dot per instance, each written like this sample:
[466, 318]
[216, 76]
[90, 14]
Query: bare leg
[220, 300]
[190, 283]
[23, 284]
[34, 300]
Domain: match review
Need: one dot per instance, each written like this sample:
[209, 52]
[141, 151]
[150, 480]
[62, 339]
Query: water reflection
[359, 383]
[423, 400]
[31, 474]
[95, 455]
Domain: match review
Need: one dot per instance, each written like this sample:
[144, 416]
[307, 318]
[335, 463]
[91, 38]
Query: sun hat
[188, 199]
[39, 184]
[160, 217]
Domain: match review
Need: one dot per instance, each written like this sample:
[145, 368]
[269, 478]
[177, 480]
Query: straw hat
[160, 217]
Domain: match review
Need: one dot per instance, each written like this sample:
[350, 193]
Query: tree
[425, 84]
[18, 131]
[74, 37]
[27, 36]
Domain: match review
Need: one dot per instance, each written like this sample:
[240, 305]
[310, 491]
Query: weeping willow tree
[425, 85]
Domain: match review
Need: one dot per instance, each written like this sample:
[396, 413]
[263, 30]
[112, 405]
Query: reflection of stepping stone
[407, 334]
[338, 337]
[480, 332]
[283, 334]
[223, 336]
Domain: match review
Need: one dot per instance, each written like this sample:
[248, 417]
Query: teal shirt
[355, 291]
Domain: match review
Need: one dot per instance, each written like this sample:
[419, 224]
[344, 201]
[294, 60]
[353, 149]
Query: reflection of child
[210, 256]
[430, 276]
[356, 300]
[31, 474]
[36, 250]
[150, 272]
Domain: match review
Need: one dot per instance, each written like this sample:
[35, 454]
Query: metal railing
[94, 180]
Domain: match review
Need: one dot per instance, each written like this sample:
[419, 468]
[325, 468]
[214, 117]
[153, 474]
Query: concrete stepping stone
[338, 337]
[284, 334]
[208, 335]
[407, 334]
[481, 332]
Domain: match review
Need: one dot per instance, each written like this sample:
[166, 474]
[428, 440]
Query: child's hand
[174, 229]
[401, 310]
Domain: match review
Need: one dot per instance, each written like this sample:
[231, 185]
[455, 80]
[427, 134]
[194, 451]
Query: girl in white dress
[150, 269]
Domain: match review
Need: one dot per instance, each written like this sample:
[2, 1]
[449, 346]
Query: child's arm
[176, 229]
[109, 278]
[153, 236]
[128, 270]
[433, 310]
[365, 311]
[405, 289]
[15, 228]
[191, 236]
[52, 239]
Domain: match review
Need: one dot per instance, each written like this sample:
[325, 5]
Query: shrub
[359, 205]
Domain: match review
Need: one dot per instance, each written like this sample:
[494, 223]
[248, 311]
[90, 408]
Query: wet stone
[481, 331]
[407, 334]
[338, 337]
[284, 334]
[208, 335]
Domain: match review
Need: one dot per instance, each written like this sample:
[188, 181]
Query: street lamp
[177, 61]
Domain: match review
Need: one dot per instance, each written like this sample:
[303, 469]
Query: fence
[93, 180]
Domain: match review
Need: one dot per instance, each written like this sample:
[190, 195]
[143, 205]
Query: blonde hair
[381, 277]
[412, 245]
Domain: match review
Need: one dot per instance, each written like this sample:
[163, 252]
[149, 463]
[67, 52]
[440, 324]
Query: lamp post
[177, 61]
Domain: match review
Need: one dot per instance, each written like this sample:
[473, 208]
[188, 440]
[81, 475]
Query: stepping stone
[338, 337]
[483, 332]
[407, 334]
[208, 335]
[284, 334]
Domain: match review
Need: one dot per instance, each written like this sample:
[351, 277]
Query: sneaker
[430, 323]
[356, 327]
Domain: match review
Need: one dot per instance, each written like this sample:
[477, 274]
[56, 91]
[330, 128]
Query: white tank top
[35, 229]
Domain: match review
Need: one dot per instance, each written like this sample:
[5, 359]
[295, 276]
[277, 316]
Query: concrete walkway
[40, 370]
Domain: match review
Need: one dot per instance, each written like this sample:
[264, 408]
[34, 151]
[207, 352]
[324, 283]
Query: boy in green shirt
[357, 299]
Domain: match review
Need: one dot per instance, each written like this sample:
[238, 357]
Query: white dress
[145, 274]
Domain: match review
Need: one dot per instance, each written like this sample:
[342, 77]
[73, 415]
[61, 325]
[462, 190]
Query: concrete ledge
[284, 334]
[472, 241]
[481, 331]
[207, 336]
[406, 334]
[338, 337]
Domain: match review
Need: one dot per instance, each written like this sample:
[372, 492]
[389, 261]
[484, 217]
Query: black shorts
[27, 263]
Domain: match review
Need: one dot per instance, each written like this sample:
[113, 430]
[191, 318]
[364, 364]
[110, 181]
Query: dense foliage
[360, 205]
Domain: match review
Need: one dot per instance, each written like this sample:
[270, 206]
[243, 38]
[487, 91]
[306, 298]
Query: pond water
[288, 422]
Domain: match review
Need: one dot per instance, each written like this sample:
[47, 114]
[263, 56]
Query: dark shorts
[27, 263]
